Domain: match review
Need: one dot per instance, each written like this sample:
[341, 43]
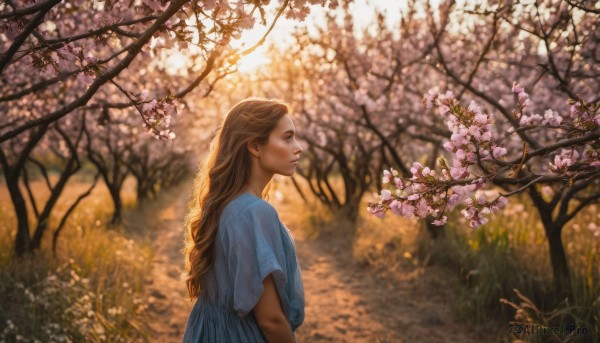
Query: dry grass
[91, 290]
[510, 252]
[97, 276]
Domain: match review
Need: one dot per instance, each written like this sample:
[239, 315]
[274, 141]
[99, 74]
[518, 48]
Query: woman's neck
[257, 182]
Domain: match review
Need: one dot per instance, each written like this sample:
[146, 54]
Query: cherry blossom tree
[517, 149]
[60, 60]
[44, 46]
[107, 150]
[349, 88]
[62, 139]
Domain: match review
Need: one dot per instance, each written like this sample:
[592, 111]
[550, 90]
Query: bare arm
[269, 314]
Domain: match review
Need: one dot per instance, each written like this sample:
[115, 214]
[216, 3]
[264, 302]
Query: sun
[257, 58]
[252, 61]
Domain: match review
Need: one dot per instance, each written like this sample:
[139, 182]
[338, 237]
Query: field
[391, 282]
[437, 163]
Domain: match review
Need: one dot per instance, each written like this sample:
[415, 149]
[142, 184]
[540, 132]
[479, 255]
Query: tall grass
[489, 263]
[92, 290]
[511, 253]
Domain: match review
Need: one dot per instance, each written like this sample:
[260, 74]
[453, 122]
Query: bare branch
[20, 39]
[133, 50]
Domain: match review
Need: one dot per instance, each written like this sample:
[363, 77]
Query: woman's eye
[290, 138]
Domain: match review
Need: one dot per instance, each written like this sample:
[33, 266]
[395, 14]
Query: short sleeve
[254, 249]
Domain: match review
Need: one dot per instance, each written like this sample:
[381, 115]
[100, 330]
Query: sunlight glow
[176, 64]
[250, 63]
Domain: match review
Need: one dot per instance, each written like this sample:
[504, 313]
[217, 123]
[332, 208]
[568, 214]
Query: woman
[240, 259]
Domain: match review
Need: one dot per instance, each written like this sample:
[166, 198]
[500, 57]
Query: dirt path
[345, 302]
[169, 308]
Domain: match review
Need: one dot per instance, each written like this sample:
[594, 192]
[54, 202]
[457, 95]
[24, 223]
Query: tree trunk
[349, 210]
[22, 239]
[115, 194]
[142, 190]
[558, 259]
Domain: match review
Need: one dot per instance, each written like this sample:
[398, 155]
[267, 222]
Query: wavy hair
[222, 177]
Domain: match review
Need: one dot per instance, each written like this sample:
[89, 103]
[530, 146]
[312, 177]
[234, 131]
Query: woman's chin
[287, 172]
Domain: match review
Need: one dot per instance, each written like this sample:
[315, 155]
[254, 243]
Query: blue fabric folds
[251, 244]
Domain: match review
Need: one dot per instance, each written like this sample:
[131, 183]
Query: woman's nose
[299, 149]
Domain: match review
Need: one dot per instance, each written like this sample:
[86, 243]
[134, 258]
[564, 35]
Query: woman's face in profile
[282, 151]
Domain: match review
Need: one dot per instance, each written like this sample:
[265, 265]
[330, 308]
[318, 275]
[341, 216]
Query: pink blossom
[449, 146]
[475, 131]
[444, 109]
[459, 138]
[154, 5]
[473, 107]
[430, 97]
[458, 171]
[398, 182]
[498, 152]
[440, 222]
[360, 96]
[447, 95]
[422, 208]
[575, 110]
[502, 201]
[85, 78]
[386, 176]
[460, 193]
[486, 136]
[552, 118]
[209, 4]
[477, 221]
[522, 96]
[473, 135]
[149, 106]
[481, 119]
[516, 88]
[376, 211]
[565, 159]
[396, 207]
[416, 167]
[413, 197]
[386, 194]
[408, 210]
[246, 22]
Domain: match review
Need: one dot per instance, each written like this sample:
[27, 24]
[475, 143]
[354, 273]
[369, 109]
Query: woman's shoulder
[247, 205]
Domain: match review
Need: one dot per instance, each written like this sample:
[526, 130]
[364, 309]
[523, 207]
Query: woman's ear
[253, 149]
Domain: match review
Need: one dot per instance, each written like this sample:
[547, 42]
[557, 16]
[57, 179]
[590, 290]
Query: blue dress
[251, 243]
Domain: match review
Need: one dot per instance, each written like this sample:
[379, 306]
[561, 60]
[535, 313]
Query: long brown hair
[222, 177]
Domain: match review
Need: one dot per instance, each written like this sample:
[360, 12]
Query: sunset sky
[364, 11]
